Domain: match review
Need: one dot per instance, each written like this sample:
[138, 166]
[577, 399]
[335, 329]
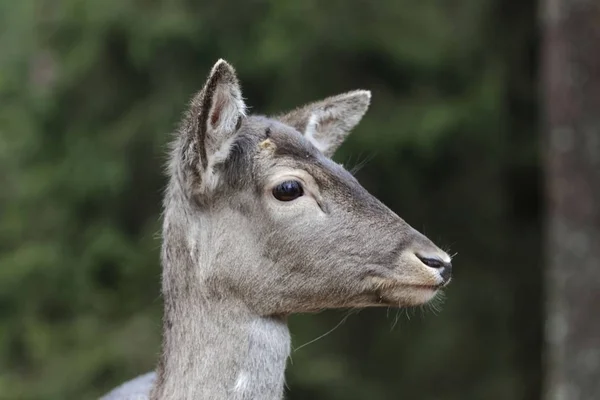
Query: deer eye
[288, 191]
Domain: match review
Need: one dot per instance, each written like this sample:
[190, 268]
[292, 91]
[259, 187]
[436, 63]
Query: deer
[260, 223]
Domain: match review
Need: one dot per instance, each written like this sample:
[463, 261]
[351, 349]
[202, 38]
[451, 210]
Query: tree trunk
[571, 101]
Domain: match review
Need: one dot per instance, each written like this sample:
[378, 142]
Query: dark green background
[90, 89]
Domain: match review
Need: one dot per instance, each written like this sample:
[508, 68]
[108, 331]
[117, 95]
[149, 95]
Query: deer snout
[443, 267]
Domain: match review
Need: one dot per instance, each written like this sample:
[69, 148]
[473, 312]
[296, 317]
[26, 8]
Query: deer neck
[215, 348]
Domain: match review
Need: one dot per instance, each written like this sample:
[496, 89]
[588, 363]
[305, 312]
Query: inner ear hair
[219, 110]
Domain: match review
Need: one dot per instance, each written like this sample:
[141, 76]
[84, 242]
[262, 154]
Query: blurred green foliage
[89, 91]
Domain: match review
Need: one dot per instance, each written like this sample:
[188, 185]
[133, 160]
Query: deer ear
[326, 123]
[219, 109]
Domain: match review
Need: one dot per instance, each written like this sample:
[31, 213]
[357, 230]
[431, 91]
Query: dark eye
[288, 191]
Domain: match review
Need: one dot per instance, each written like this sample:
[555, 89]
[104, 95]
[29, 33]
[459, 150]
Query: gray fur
[236, 261]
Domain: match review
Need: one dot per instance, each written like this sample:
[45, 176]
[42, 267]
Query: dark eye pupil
[288, 190]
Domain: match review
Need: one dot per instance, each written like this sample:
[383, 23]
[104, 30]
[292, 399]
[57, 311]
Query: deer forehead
[274, 150]
[273, 134]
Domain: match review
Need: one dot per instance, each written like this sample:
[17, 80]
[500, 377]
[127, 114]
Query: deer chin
[395, 293]
[413, 295]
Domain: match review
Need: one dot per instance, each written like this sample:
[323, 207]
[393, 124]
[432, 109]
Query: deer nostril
[444, 267]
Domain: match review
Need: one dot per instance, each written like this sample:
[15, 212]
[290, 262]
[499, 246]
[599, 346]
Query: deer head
[257, 211]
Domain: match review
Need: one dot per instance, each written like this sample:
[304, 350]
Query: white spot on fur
[192, 246]
[241, 383]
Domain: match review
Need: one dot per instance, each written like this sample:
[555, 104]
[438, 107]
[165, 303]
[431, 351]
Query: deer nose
[443, 267]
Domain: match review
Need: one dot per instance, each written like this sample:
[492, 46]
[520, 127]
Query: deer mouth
[431, 287]
[391, 292]
[384, 283]
[427, 287]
